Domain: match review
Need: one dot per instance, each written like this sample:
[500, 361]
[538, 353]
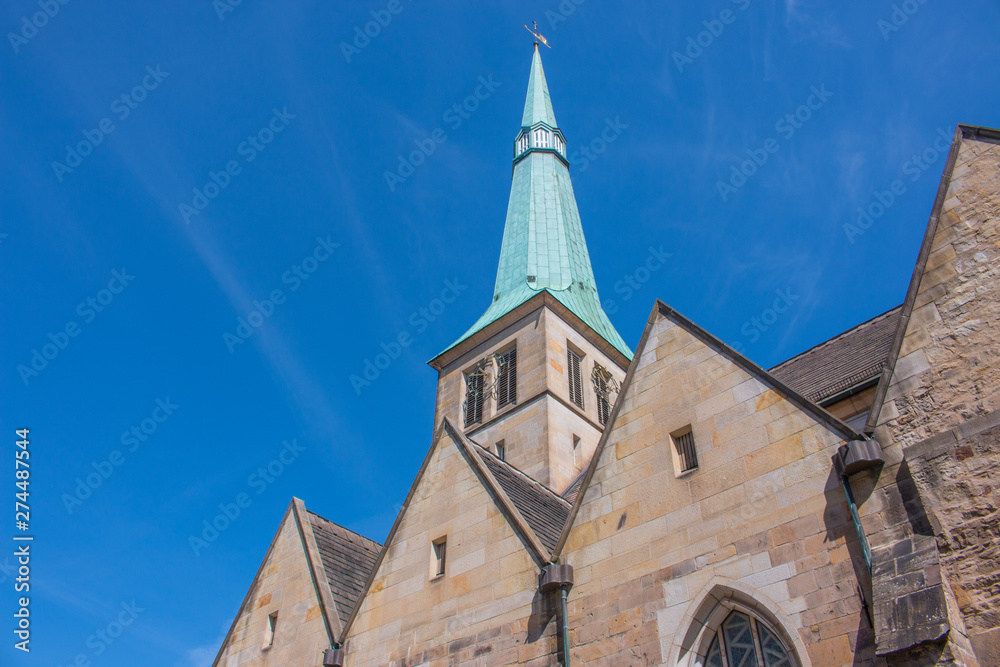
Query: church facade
[581, 503]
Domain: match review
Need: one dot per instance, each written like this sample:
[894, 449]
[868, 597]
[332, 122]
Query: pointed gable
[489, 579]
[287, 588]
[946, 352]
[646, 530]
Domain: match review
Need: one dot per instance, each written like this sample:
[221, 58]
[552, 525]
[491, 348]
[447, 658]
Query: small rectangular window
[501, 450]
[573, 361]
[687, 455]
[438, 552]
[272, 622]
[475, 386]
[507, 379]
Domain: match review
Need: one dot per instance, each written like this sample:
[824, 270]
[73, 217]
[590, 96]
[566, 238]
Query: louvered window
[507, 380]
[575, 378]
[687, 456]
[475, 386]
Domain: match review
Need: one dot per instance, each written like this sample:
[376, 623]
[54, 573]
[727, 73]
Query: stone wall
[538, 430]
[946, 377]
[762, 520]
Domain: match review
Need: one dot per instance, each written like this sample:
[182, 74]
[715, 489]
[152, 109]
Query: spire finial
[539, 37]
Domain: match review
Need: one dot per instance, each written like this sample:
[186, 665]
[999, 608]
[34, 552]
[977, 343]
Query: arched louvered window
[745, 641]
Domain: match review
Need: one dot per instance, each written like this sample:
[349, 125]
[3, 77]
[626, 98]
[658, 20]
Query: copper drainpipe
[559, 576]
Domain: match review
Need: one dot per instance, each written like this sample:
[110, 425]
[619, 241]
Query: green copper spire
[537, 105]
[543, 244]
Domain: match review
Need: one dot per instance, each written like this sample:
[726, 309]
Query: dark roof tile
[348, 559]
[544, 510]
[857, 355]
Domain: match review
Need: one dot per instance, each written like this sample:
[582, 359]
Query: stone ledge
[942, 443]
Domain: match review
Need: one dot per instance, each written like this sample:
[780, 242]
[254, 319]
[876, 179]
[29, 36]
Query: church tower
[534, 379]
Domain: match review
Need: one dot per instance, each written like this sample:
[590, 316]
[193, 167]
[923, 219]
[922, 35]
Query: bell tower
[534, 379]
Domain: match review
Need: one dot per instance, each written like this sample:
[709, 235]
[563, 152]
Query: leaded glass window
[744, 641]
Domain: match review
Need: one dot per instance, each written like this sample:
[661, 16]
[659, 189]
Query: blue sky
[288, 136]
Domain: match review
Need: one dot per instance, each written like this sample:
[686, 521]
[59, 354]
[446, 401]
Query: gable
[947, 352]
[489, 578]
[285, 586]
[762, 508]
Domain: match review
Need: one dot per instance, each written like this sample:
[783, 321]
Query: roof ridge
[523, 474]
[836, 337]
[345, 528]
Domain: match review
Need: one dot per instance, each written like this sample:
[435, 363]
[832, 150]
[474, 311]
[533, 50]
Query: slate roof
[544, 510]
[857, 355]
[573, 490]
[348, 558]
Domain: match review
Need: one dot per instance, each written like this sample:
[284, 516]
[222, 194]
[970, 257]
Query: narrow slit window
[272, 623]
[501, 450]
[687, 455]
[507, 379]
[522, 143]
[573, 362]
[438, 555]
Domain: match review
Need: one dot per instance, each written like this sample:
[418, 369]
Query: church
[582, 503]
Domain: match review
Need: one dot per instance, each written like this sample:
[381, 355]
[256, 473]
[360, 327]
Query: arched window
[746, 641]
[541, 138]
